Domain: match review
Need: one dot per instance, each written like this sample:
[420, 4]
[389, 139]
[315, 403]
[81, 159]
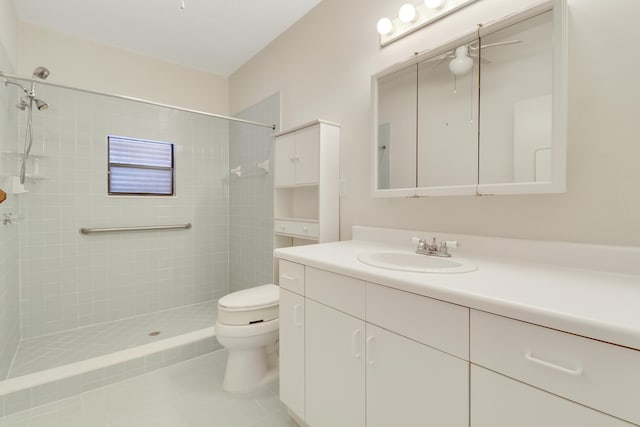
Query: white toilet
[247, 326]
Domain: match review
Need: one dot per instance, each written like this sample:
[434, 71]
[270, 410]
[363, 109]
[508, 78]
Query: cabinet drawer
[292, 276]
[599, 375]
[335, 290]
[296, 228]
[498, 401]
[435, 323]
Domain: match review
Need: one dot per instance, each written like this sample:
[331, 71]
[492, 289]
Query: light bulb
[462, 63]
[407, 13]
[385, 26]
[434, 4]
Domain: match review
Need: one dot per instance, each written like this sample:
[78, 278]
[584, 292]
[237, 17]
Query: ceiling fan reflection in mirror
[463, 57]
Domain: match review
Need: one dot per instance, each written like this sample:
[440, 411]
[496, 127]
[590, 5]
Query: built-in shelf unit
[306, 184]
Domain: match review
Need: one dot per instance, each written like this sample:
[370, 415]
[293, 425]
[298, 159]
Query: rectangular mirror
[447, 126]
[523, 105]
[483, 114]
[396, 129]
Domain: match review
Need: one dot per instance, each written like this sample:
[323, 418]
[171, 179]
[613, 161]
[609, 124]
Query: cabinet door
[292, 351]
[284, 159]
[412, 385]
[498, 401]
[308, 155]
[334, 368]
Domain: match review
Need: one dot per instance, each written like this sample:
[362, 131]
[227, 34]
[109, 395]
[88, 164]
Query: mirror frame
[559, 110]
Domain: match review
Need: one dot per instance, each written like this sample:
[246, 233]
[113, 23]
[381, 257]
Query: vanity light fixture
[411, 18]
[385, 26]
[434, 4]
[407, 13]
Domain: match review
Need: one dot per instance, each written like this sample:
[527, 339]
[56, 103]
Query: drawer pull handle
[288, 277]
[297, 310]
[531, 358]
[355, 346]
[370, 341]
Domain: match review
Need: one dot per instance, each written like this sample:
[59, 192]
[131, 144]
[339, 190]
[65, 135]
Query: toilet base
[248, 369]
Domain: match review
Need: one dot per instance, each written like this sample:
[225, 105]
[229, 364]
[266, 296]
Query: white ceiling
[217, 36]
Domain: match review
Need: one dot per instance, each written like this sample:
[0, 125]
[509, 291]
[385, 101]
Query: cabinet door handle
[292, 158]
[286, 276]
[369, 348]
[355, 343]
[297, 310]
[531, 358]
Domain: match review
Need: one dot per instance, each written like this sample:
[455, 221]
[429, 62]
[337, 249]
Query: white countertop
[597, 304]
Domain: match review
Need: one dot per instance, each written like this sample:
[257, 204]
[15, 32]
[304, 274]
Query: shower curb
[54, 384]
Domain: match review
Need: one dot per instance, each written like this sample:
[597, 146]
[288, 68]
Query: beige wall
[89, 65]
[322, 66]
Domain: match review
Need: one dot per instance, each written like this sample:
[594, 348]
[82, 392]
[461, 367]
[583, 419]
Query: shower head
[41, 104]
[41, 72]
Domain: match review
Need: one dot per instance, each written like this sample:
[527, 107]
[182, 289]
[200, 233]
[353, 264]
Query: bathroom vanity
[533, 336]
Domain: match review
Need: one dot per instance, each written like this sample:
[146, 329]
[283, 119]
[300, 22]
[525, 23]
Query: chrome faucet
[433, 249]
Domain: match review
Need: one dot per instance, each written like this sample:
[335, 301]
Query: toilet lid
[260, 296]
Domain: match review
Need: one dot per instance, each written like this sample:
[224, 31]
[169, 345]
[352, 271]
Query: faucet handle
[421, 244]
[442, 250]
[453, 244]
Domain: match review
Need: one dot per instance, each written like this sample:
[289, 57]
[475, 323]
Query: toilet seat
[249, 306]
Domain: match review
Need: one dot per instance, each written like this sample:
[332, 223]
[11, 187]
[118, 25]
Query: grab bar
[85, 230]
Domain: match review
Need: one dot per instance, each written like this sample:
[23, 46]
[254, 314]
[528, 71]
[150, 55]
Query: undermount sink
[417, 263]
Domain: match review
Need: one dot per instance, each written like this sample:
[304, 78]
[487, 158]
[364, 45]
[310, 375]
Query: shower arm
[8, 82]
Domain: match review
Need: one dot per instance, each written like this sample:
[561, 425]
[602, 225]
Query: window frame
[171, 168]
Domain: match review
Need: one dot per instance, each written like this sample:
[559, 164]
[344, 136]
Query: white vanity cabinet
[410, 384]
[563, 368]
[292, 323]
[400, 368]
[522, 341]
[306, 184]
[498, 401]
[417, 369]
[334, 349]
[334, 368]
[292, 351]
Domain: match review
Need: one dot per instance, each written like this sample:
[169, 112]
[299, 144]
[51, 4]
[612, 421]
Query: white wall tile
[116, 276]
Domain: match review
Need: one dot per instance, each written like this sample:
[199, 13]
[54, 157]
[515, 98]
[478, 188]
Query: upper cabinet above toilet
[306, 160]
[483, 114]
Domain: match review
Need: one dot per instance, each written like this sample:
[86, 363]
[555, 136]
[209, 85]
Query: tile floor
[185, 395]
[59, 349]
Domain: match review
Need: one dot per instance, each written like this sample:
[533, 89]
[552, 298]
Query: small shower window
[140, 167]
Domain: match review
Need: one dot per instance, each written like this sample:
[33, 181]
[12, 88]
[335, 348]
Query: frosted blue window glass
[140, 167]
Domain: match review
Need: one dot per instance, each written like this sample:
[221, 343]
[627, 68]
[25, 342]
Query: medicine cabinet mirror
[484, 114]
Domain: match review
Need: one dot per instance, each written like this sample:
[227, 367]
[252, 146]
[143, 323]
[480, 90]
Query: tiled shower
[251, 197]
[9, 261]
[70, 280]
[55, 279]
